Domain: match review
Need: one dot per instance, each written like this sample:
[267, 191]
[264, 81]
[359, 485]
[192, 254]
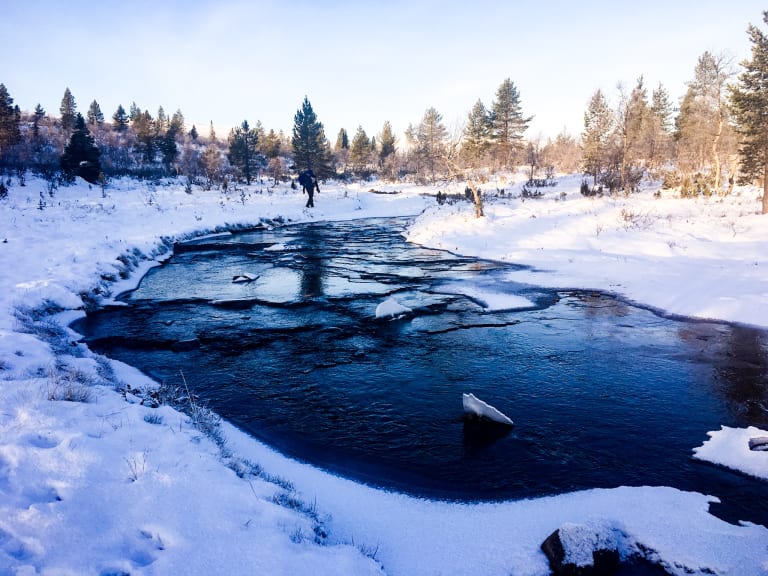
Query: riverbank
[106, 485]
[699, 258]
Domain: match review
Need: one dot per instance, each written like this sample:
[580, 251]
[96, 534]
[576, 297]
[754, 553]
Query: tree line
[716, 136]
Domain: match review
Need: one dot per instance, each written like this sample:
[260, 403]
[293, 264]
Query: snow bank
[730, 447]
[701, 258]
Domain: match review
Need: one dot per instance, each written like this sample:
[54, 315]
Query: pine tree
[703, 119]
[193, 133]
[387, 142]
[161, 122]
[507, 122]
[120, 119]
[134, 111]
[477, 134]
[243, 151]
[81, 155]
[211, 163]
[342, 140]
[430, 137]
[37, 117]
[633, 131]
[68, 111]
[10, 134]
[167, 141]
[598, 125]
[750, 104]
[177, 122]
[311, 150]
[144, 127]
[272, 145]
[661, 126]
[359, 152]
[95, 117]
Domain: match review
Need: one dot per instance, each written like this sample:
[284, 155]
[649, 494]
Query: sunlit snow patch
[730, 447]
[489, 300]
[391, 308]
[476, 407]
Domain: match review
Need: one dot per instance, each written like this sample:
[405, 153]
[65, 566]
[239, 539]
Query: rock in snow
[759, 444]
[476, 407]
[391, 308]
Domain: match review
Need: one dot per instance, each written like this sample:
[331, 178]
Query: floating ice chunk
[244, 277]
[490, 300]
[476, 407]
[391, 308]
[276, 247]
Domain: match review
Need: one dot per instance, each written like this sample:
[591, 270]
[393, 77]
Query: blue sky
[360, 63]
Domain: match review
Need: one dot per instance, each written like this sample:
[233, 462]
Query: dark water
[602, 393]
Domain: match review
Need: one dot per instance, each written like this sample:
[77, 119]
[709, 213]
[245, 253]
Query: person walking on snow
[309, 185]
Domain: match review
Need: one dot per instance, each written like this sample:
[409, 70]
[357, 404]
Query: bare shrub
[69, 385]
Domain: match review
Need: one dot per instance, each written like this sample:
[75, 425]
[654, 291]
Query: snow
[580, 540]
[701, 258]
[112, 486]
[730, 447]
[473, 405]
[491, 301]
[391, 308]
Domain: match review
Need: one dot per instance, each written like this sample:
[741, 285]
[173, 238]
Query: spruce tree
[37, 118]
[342, 140]
[359, 152]
[81, 155]
[162, 121]
[311, 150]
[243, 151]
[661, 126]
[168, 147]
[387, 142]
[272, 145]
[68, 111]
[193, 133]
[120, 119]
[95, 117]
[507, 122]
[598, 126]
[634, 130]
[10, 134]
[750, 104]
[144, 127]
[430, 138]
[703, 124]
[477, 134]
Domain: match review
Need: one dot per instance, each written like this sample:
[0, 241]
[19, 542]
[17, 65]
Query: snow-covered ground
[110, 486]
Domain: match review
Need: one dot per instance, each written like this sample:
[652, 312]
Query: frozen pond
[602, 393]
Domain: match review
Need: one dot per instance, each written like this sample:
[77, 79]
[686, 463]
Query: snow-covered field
[109, 486]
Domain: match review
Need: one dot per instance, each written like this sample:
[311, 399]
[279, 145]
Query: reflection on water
[311, 263]
[602, 393]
